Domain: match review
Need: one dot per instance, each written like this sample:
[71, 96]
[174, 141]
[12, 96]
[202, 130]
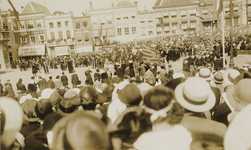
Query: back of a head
[158, 98]
[43, 108]
[80, 131]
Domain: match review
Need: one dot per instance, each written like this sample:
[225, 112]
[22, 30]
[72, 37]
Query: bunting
[151, 56]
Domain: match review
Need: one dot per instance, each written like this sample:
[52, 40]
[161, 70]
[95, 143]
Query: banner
[63, 50]
[31, 51]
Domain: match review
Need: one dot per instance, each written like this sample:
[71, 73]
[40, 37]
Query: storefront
[32, 51]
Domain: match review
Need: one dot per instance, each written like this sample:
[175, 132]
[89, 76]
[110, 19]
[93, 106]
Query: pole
[231, 64]
[223, 38]
[247, 12]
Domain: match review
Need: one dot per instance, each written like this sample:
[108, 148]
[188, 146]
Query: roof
[124, 4]
[33, 7]
[175, 3]
[145, 11]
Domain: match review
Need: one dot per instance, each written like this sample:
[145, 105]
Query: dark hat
[130, 94]
[29, 110]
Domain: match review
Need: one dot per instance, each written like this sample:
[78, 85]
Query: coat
[64, 80]
[74, 78]
[42, 84]
[21, 86]
[50, 84]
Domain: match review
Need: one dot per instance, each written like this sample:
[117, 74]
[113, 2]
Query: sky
[76, 6]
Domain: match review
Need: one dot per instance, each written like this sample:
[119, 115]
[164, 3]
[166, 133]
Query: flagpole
[223, 38]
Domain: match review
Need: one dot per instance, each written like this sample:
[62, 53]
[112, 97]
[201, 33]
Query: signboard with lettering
[31, 51]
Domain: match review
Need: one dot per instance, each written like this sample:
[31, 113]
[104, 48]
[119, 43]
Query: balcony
[4, 36]
[4, 29]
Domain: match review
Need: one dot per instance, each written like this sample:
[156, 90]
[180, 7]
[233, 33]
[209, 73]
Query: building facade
[177, 17]
[30, 33]
[60, 34]
[102, 23]
[8, 46]
[147, 24]
[83, 34]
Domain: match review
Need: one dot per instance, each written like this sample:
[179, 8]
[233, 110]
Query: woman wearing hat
[159, 104]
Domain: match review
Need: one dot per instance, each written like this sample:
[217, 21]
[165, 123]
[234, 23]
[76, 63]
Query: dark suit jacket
[97, 76]
[218, 64]
[220, 113]
[64, 80]
[120, 73]
[217, 94]
[21, 86]
[74, 78]
[50, 84]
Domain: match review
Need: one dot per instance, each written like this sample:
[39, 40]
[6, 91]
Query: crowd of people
[140, 105]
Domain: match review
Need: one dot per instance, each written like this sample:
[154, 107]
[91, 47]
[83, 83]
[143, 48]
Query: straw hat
[205, 74]
[195, 95]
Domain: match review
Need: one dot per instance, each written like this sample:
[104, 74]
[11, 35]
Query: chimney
[90, 2]
[136, 3]
[112, 5]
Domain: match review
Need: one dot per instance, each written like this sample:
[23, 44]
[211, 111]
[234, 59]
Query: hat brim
[216, 81]
[192, 107]
[209, 78]
[226, 82]
[230, 98]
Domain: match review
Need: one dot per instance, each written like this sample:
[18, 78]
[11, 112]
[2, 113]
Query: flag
[218, 5]
[151, 56]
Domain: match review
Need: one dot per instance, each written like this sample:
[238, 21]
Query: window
[51, 25]
[52, 36]
[68, 34]
[150, 32]
[158, 15]
[125, 16]
[193, 12]
[126, 30]
[23, 39]
[32, 39]
[41, 37]
[166, 28]
[109, 19]
[193, 25]
[85, 24]
[119, 31]
[183, 13]
[60, 35]
[142, 20]
[40, 23]
[133, 14]
[66, 23]
[143, 31]
[150, 21]
[134, 30]
[204, 12]
[59, 24]
[165, 14]
[174, 15]
[94, 20]
[102, 19]
[184, 26]
[22, 26]
[174, 28]
[87, 36]
[77, 25]
[5, 26]
[159, 29]
[30, 24]
[236, 8]
[118, 17]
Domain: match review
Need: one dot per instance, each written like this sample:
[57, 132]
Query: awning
[110, 32]
[31, 51]
[95, 33]
[84, 49]
[63, 50]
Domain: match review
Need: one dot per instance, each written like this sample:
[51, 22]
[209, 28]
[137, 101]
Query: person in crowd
[64, 80]
[58, 83]
[50, 83]
[97, 75]
[158, 102]
[197, 98]
[11, 123]
[41, 83]
[20, 85]
[34, 68]
[1, 89]
[74, 79]
[8, 91]
[88, 80]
